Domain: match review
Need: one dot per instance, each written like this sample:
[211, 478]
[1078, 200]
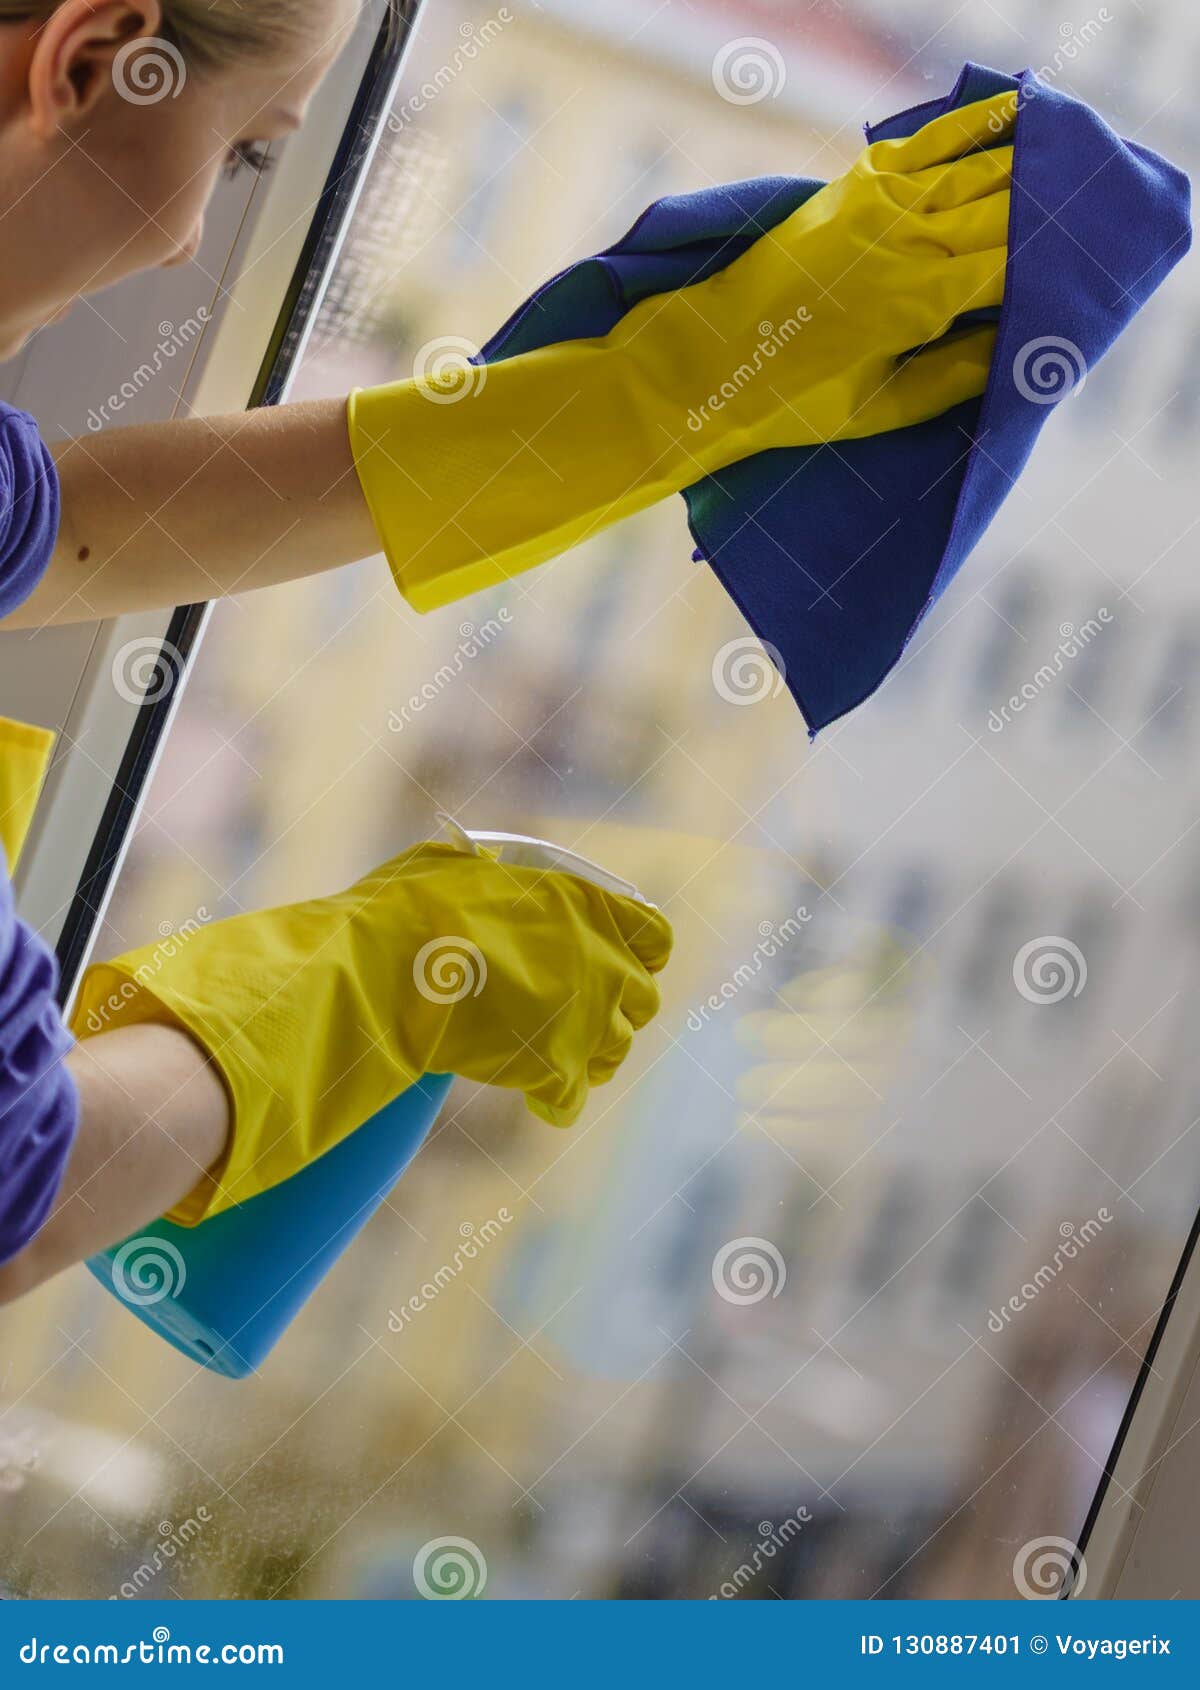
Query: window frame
[131, 738]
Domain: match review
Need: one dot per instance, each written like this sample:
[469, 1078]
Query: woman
[197, 1083]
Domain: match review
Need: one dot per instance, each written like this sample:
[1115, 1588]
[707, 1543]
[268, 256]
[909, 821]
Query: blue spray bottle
[225, 1292]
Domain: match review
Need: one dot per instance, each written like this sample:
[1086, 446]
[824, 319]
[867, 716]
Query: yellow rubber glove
[319, 1014]
[551, 446]
[24, 759]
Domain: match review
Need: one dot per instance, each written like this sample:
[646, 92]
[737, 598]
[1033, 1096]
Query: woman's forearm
[176, 513]
[154, 1117]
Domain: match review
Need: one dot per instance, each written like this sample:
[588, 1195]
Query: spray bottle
[225, 1292]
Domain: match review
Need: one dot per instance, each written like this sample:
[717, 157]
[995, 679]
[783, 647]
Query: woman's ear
[79, 58]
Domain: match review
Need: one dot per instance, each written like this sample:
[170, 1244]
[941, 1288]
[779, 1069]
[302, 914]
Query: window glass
[925, 1057]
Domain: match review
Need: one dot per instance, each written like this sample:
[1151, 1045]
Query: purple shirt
[39, 1109]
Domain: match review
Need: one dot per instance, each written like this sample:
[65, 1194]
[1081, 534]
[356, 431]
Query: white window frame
[273, 259]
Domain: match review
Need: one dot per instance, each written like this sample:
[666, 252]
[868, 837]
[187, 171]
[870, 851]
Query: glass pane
[840, 1288]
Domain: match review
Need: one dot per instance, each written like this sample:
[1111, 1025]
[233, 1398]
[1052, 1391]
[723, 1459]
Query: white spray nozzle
[521, 851]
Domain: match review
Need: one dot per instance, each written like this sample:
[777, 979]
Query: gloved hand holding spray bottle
[338, 1026]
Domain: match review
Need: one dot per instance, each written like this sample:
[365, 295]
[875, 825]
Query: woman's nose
[187, 250]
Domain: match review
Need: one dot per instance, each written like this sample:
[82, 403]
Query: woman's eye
[248, 155]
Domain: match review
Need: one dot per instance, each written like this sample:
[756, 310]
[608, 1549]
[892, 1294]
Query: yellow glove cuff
[24, 758]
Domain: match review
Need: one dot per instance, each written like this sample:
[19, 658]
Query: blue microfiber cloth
[835, 553]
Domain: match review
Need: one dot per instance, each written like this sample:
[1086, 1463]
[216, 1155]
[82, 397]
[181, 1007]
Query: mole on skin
[85, 552]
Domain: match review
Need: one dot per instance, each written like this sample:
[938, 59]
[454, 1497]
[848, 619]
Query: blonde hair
[213, 34]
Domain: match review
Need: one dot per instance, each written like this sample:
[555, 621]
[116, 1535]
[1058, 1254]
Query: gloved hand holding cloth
[320, 1013]
[831, 326]
[986, 249]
